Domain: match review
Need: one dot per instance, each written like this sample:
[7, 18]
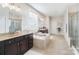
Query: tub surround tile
[57, 46]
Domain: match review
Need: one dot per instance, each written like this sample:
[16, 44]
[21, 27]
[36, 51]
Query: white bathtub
[41, 40]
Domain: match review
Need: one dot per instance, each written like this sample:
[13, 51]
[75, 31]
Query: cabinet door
[11, 48]
[23, 46]
[18, 39]
[1, 48]
[30, 41]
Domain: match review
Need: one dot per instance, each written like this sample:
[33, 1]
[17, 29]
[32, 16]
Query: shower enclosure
[73, 23]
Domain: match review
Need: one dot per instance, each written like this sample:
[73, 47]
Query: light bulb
[4, 5]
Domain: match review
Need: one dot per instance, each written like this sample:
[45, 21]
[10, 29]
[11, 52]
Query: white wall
[41, 22]
[67, 38]
[47, 23]
[44, 22]
[56, 22]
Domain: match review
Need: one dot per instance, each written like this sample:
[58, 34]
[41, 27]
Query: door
[30, 41]
[23, 46]
[11, 47]
[2, 48]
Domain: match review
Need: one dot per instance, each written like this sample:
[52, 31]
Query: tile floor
[57, 46]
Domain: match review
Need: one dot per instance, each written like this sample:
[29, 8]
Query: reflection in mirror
[10, 20]
[15, 18]
[30, 24]
[15, 22]
[3, 20]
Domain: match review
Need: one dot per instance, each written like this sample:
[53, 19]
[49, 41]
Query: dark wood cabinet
[23, 46]
[16, 46]
[11, 47]
[1, 48]
[30, 41]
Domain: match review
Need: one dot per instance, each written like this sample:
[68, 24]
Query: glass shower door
[74, 30]
[77, 32]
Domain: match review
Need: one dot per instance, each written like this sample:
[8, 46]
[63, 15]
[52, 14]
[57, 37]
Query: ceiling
[51, 9]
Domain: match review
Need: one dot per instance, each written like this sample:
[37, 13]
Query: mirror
[15, 17]
[10, 20]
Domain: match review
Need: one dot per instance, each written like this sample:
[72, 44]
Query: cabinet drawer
[17, 39]
[7, 42]
[1, 43]
[25, 36]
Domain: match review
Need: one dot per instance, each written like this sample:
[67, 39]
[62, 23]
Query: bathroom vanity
[16, 44]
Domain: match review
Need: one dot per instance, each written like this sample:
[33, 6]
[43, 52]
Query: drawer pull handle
[9, 41]
[18, 43]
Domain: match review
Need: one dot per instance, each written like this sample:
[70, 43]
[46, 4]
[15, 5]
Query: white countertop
[17, 34]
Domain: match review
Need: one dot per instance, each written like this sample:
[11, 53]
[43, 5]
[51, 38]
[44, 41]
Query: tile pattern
[57, 46]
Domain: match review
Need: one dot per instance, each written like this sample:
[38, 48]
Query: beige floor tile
[57, 46]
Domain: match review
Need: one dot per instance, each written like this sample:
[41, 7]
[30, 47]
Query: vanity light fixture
[11, 7]
[14, 8]
[5, 5]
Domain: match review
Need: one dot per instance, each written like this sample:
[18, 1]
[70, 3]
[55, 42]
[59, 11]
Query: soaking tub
[41, 40]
